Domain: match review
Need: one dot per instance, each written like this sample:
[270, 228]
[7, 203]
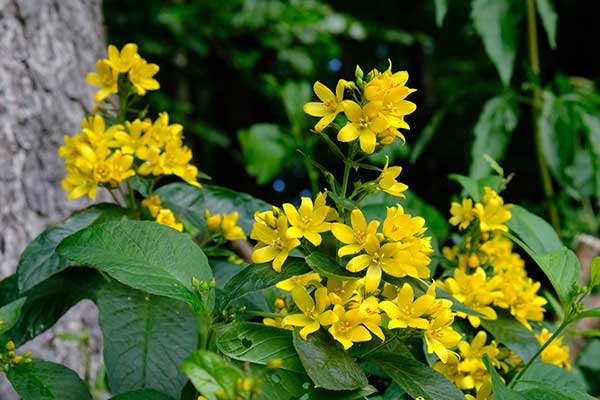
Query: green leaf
[595, 272]
[493, 130]
[497, 24]
[51, 299]
[469, 185]
[328, 267]
[294, 96]
[327, 364]
[499, 389]
[549, 19]
[210, 373]
[146, 337]
[513, 335]
[185, 201]
[40, 260]
[592, 312]
[259, 344]
[415, 377]
[589, 356]
[430, 129]
[44, 380]
[561, 267]
[9, 314]
[142, 254]
[547, 376]
[265, 149]
[592, 131]
[441, 7]
[142, 185]
[534, 231]
[144, 394]
[259, 276]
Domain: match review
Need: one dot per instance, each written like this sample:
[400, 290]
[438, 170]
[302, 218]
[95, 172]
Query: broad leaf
[294, 96]
[415, 377]
[327, 364]
[9, 314]
[265, 149]
[328, 267]
[497, 23]
[40, 260]
[534, 231]
[549, 19]
[142, 254]
[185, 201]
[44, 380]
[144, 394]
[592, 130]
[146, 337]
[51, 299]
[210, 373]
[492, 132]
[561, 267]
[595, 272]
[469, 185]
[547, 376]
[259, 344]
[259, 276]
[513, 335]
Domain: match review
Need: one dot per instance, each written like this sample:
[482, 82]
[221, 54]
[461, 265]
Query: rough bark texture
[46, 48]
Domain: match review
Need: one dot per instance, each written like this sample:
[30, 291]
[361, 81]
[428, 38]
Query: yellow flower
[364, 124]
[307, 222]
[399, 226]
[151, 161]
[141, 74]
[314, 314]
[370, 308]
[299, 280]
[175, 160]
[274, 244]
[387, 180]
[331, 104]
[344, 292]
[408, 312]
[493, 213]
[349, 329]
[123, 60]
[106, 77]
[483, 393]
[166, 217]
[384, 83]
[462, 215]
[378, 258]
[441, 336]
[212, 221]
[353, 238]
[395, 107]
[556, 353]
[471, 362]
[231, 230]
[132, 138]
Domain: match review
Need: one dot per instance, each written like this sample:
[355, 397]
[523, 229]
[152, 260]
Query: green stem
[536, 107]
[347, 166]
[562, 326]
[264, 314]
[313, 176]
[131, 195]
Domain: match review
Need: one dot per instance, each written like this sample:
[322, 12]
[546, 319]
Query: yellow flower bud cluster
[162, 215]
[491, 212]
[9, 359]
[225, 224]
[374, 114]
[128, 62]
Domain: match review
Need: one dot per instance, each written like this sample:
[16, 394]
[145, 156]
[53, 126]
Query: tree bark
[46, 48]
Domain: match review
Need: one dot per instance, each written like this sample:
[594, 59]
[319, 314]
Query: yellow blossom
[314, 311]
[122, 60]
[166, 217]
[331, 104]
[349, 329]
[231, 230]
[399, 226]
[408, 311]
[441, 336]
[462, 214]
[343, 292]
[353, 238]
[106, 77]
[273, 244]
[387, 180]
[307, 221]
[141, 76]
[212, 221]
[492, 212]
[363, 124]
[299, 280]
[556, 353]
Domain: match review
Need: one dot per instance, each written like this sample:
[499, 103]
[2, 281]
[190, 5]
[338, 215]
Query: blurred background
[236, 74]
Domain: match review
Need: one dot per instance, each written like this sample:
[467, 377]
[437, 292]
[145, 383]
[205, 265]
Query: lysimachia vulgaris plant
[207, 293]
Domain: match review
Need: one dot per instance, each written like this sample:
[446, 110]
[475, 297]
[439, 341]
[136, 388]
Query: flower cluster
[125, 63]
[101, 156]
[374, 114]
[225, 225]
[162, 215]
[8, 357]
[487, 275]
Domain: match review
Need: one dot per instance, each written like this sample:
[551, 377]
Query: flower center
[364, 122]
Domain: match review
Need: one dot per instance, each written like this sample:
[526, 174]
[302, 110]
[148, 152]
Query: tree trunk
[46, 48]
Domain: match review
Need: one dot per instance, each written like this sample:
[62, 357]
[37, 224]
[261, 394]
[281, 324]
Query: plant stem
[347, 166]
[547, 343]
[536, 107]
[264, 314]
[132, 203]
